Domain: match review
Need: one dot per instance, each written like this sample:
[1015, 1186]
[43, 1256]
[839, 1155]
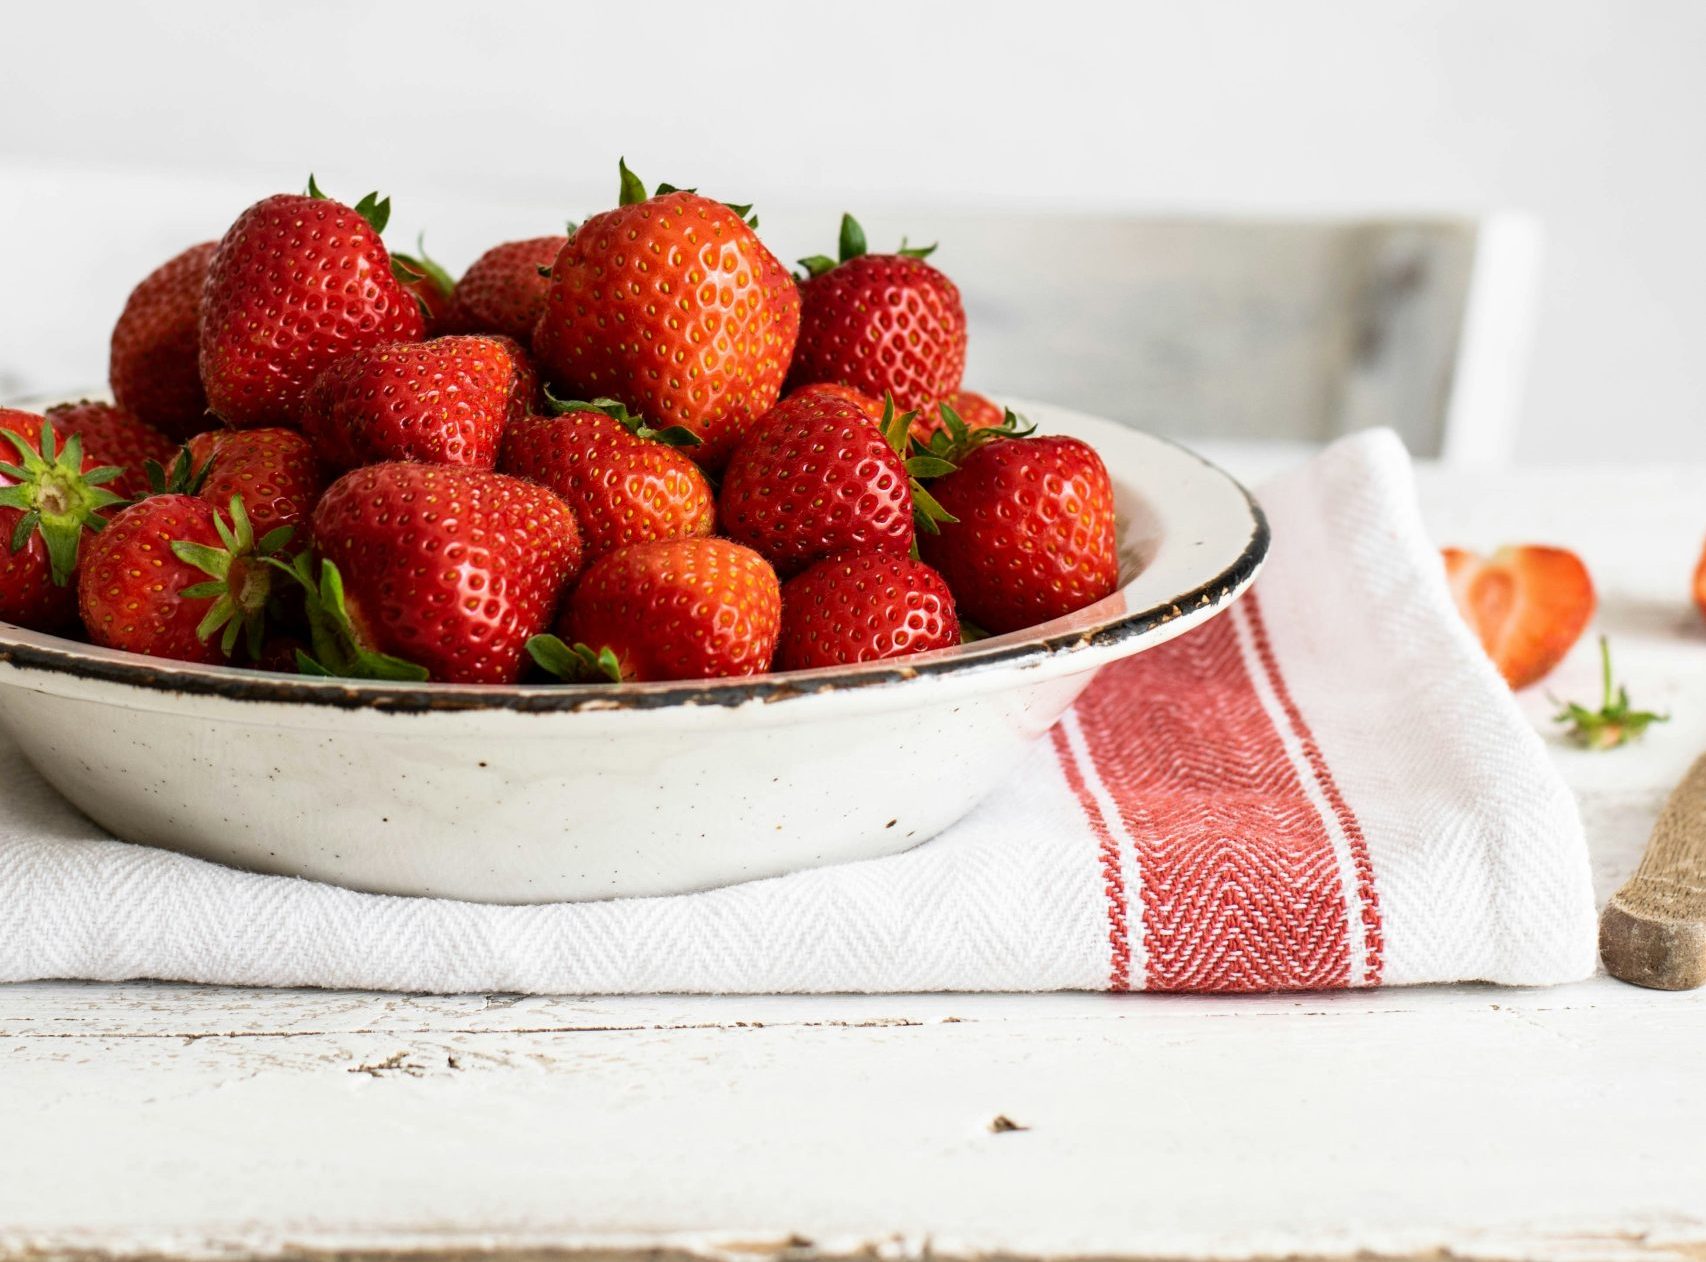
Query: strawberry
[816, 477]
[440, 402]
[174, 577]
[1527, 604]
[274, 470]
[872, 408]
[881, 323]
[975, 411]
[672, 305]
[668, 609]
[504, 291]
[50, 495]
[861, 607]
[433, 289]
[113, 435]
[153, 365]
[435, 571]
[1700, 583]
[624, 481]
[1034, 539]
[295, 285]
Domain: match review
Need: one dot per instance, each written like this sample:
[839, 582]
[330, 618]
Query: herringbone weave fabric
[1327, 787]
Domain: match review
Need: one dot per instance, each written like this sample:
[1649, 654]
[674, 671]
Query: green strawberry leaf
[915, 251]
[314, 190]
[577, 664]
[817, 264]
[376, 210]
[1616, 722]
[56, 499]
[338, 649]
[632, 188]
[183, 478]
[670, 436]
[852, 238]
[240, 580]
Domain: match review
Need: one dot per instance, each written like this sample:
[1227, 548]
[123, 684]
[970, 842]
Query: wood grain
[1653, 931]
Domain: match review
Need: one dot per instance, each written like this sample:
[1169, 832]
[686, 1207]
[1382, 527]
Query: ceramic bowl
[545, 793]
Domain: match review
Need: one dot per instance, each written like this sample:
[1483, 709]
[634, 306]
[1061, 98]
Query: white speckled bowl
[539, 793]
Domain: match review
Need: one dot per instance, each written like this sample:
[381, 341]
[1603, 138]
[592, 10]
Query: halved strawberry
[50, 497]
[626, 482]
[1700, 583]
[1527, 604]
[863, 607]
[669, 609]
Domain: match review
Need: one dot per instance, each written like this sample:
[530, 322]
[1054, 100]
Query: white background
[1591, 115]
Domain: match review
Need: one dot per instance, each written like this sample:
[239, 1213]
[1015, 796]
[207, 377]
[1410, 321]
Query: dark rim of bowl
[238, 684]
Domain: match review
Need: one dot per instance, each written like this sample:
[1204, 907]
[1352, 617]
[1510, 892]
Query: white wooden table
[175, 1121]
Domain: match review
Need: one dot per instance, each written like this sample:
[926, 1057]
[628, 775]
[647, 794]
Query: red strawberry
[976, 411]
[624, 484]
[153, 367]
[274, 470]
[1035, 536]
[668, 609]
[672, 305]
[172, 576]
[881, 323]
[440, 402]
[112, 435]
[50, 494]
[1700, 583]
[504, 291]
[296, 284]
[872, 408]
[816, 477]
[1526, 604]
[433, 289]
[863, 606]
[450, 569]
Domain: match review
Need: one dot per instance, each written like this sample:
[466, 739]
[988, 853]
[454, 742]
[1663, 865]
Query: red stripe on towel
[1367, 896]
[1108, 854]
[1238, 878]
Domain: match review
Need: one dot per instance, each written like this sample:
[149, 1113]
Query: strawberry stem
[1616, 722]
[239, 580]
[339, 649]
[576, 664]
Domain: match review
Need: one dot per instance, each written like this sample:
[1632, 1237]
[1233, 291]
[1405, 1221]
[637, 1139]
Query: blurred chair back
[1238, 329]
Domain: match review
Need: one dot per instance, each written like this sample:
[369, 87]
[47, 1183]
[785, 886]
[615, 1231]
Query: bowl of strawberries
[630, 563]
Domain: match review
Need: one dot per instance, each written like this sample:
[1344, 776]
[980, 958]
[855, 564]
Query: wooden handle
[1653, 931]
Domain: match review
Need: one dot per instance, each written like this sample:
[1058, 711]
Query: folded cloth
[1327, 786]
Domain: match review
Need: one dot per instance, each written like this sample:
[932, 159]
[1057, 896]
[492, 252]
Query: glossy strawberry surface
[864, 607]
[674, 307]
[883, 322]
[678, 609]
[1035, 538]
[130, 585]
[503, 291]
[815, 476]
[296, 284]
[443, 401]
[28, 595]
[113, 435]
[153, 365]
[624, 489]
[450, 568]
[274, 470]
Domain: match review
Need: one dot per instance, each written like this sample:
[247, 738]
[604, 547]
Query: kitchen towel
[1328, 786]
